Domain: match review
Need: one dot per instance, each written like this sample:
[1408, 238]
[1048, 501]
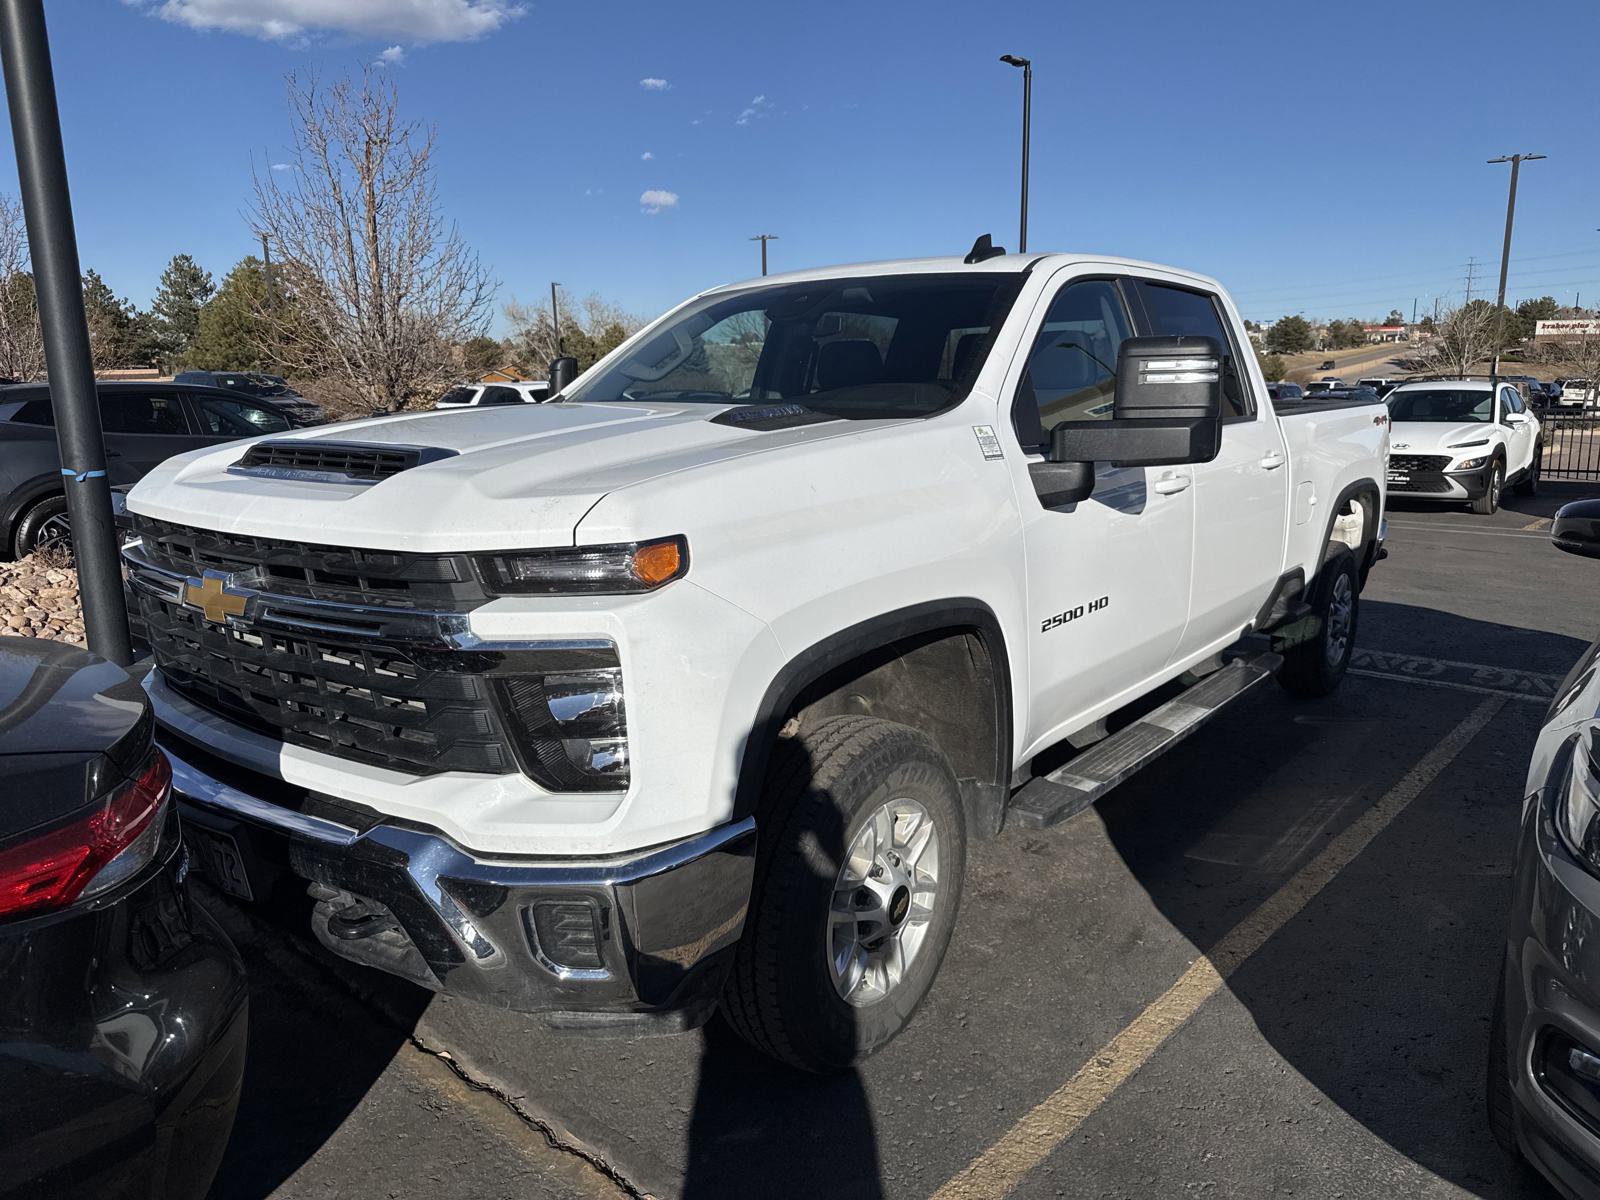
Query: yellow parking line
[1539, 523]
[1001, 1167]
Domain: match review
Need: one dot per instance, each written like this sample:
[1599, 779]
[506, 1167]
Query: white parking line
[1481, 678]
[1454, 529]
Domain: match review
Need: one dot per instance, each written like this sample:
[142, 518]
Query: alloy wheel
[883, 901]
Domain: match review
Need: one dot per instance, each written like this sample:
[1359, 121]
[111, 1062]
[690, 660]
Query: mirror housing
[563, 371]
[1577, 528]
[1167, 409]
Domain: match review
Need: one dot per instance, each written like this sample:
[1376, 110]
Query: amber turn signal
[655, 563]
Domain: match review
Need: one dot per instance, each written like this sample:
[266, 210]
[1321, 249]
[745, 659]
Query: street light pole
[764, 238]
[47, 204]
[555, 319]
[1516, 161]
[1027, 118]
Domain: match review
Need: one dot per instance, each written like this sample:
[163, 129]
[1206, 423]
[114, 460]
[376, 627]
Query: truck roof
[955, 264]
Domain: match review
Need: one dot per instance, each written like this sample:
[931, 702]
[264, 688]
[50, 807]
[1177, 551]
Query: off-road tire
[33, 520]
[1309, 669]
[1498, 1103]
[1528, 485]
[1488, 504]
[822, 786]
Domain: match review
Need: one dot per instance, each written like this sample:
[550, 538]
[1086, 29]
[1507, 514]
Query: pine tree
[175, 313]
[114, 327]
[229, 336]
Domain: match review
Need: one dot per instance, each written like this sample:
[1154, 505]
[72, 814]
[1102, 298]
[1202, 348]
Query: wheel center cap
[899, 904]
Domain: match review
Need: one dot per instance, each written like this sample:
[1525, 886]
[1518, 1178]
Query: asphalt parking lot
[1263, 966]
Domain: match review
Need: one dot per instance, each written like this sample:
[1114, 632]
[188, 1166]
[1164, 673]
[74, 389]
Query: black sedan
[145, 423]
[123, 1013]
[1544, 1041]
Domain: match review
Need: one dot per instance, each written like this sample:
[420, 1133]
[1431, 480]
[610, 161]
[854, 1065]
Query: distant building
[503, 375]
[1546, 333]
[1386, 333]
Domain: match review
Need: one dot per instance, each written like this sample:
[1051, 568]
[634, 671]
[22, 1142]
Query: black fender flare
[840, 649]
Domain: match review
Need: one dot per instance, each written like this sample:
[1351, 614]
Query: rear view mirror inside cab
[1167, 409]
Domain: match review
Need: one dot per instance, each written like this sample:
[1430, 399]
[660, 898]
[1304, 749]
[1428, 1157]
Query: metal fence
[1571, 444]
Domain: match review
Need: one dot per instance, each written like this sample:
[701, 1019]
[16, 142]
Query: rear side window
[36, 412]
[1071, 374]
[500, 395]
[1179, 312]
[142, 412]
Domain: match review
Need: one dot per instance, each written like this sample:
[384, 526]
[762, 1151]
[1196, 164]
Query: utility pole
[764, 238]
[266, 271]
[1027, 117]
[1413, 310]
[1472, 264]
[555, 320]
[1516, 161]
[47, 204]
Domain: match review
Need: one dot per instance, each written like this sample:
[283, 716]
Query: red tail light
[87, 854]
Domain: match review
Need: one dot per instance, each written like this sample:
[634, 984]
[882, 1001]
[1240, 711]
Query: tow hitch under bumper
[600, 941]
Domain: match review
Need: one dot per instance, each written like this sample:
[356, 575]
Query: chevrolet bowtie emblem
[213, 599]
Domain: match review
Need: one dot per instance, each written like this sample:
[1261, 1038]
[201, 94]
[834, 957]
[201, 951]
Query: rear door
[1242, 496]
[1107, 577]
[143, 427]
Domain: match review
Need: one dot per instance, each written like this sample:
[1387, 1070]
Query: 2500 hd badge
[1073, 614]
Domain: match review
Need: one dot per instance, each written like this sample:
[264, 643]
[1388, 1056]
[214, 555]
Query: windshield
[1442, 405]
[863, 348]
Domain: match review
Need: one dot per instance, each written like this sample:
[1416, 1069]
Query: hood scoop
[766, 417]
[334, 462]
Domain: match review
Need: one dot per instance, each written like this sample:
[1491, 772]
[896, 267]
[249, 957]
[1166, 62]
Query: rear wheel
[1489, 503]
[1528, 485]
[858, 878]
[43, 526]
[1317, 662]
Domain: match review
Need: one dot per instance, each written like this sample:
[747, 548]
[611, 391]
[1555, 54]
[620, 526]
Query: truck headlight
[1469, 464]
[591, 570]
[1578, 811]
[569, 728]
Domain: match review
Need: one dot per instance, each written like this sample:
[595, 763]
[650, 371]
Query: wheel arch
[883, 667]
[1365, 491]
[23, 497]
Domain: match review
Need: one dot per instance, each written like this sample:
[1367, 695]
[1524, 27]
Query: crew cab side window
[1176, 312]
[1071, 373]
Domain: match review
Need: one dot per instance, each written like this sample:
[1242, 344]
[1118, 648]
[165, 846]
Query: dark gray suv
[145, 423]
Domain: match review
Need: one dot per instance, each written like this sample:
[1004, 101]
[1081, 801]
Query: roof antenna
[983, 249]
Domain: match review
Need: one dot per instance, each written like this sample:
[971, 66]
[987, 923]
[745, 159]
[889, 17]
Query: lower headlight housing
[569, 728]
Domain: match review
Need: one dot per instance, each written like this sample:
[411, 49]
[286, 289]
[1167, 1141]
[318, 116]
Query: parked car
[1544, 1039]
[1379, 384]
[1462, 441]
[144, 423]
[1353, 395]
[272, 390]
[475, 395]
[1327, 383]
[582, 655]
[1576, 393]
[123, 1016]
[1285, 391]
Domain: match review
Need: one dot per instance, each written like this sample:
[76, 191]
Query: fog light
[567, 934]
[570, 728]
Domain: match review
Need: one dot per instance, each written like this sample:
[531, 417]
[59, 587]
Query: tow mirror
[563, 371]
[1167, 409]
[1577, 528]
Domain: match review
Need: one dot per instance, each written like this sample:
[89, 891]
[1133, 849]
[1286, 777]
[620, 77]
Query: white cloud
[654, 200]
[757, 109]
[394, 56]
[646, 156]
[651, 84]
[696, 121]
[283, 166]
[285, 20]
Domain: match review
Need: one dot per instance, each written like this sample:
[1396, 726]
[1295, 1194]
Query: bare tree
[370, 287]
[590, 329]
[21, 343]
[1463, 338]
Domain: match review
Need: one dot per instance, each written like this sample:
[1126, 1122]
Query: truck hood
[492, 479]
[1436, 437]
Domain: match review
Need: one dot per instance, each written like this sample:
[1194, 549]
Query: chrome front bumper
[411, 902]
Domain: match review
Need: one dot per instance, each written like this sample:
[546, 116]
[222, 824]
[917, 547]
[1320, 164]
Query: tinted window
[1071, 374]
[142, 412]
[858, 348]
[1178, 312]
[226, 417]
[1512, 399]
[500, 395]
[458, 395]
[36, 412]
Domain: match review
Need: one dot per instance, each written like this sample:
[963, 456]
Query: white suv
[1462, 441]
[479, 395]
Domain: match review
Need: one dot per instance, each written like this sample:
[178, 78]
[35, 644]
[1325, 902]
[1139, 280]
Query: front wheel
[862, 844]
[1316, 663]
[1489, 503]
[44, 526]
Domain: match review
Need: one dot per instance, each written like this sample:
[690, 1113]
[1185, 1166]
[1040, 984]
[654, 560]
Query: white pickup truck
[689, 687]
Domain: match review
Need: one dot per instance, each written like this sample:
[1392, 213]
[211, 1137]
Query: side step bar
[1077, 784]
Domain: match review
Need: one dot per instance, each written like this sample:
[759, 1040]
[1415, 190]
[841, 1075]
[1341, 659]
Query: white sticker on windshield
[987, 442]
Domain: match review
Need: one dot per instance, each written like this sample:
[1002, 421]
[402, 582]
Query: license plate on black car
[217, 855]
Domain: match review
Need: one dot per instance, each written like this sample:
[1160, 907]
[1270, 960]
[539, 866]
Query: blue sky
[1325, 158]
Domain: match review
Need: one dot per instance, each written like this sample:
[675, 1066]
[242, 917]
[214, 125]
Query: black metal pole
[42, 168]
[555, 319]
[1027, 120]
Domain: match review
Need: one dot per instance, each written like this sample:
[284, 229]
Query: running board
[1073, 787]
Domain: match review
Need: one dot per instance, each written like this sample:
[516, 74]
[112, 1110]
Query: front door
[1107, 577]
[1519, 427]
[143, 427]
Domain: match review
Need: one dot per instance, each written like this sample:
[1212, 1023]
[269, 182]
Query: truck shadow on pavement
[1379, 991]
